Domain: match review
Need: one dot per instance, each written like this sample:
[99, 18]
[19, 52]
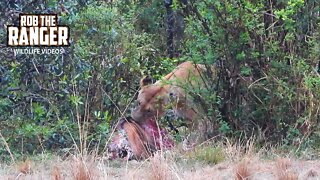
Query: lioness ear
[145, 81]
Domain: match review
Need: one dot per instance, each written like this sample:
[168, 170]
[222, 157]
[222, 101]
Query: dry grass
[243, 170]
[56, 173]
[236, 151]
[282, 170]
[283, 164]
[24, 167]
[287, 175]
[312, 173]
[243, 164]
[160, 168]
[83, 170]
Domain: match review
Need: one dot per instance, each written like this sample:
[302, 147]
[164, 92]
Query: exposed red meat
[133, 140]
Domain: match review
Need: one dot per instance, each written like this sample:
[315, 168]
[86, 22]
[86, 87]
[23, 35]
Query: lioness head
[151, 100]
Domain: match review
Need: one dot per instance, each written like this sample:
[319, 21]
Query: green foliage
[55, 101]
[208, 154]
[224, 127]
[267, 71]
[265, 80]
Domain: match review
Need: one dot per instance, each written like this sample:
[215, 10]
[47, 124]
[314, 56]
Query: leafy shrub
[72, 99]
[266, 81]
[263, 65]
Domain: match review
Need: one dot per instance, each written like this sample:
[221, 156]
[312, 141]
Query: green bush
[266, 81]
[265, 63]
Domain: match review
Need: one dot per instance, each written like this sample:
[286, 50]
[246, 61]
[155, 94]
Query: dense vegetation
[266, 52]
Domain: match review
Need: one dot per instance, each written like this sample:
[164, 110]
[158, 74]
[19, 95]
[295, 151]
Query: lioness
[154, 99]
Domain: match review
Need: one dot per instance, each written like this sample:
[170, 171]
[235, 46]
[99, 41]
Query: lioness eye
[139, 103]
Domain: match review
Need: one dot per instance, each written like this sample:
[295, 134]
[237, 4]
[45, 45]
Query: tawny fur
[153, 99]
